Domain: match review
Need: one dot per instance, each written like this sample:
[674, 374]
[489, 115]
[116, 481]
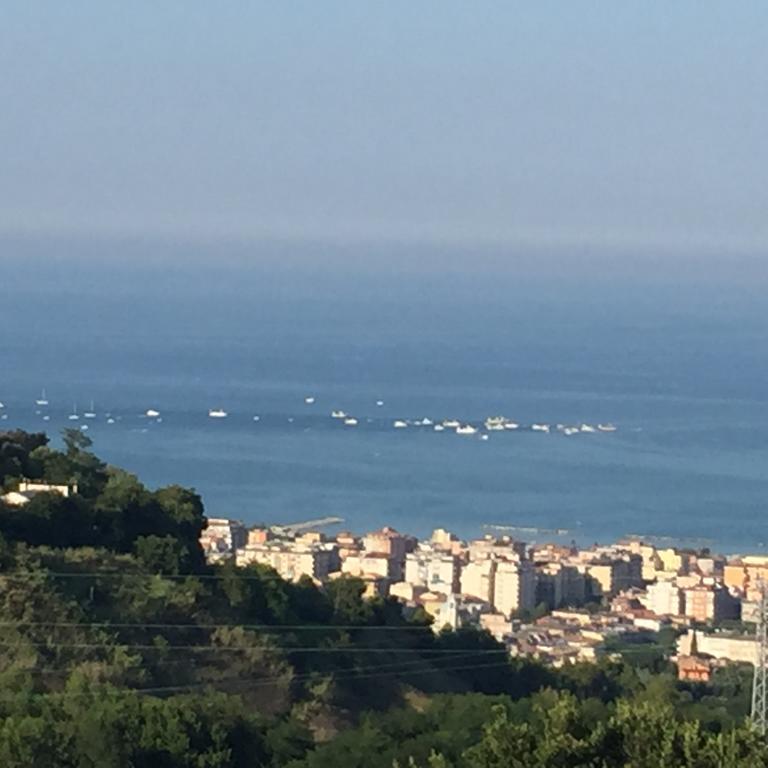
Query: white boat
[350, 421]
[493, 425]
[2, 406]
[110, 420]
[587, 428]
[46, 417]
[152, 413]
[74, 416]
[379, 403]
[606, 427]
[91, 413]
[571, 431]
[484, 437]
[83, 427]
[439, 428]
[217, 413]
[309, 400]
[257, 418]
[338, 415]
[493, 421]
[451, 424]
[511, 425]
[425, 422]
[540, 427]
[399, 424]
[466, 429]
[42, 400]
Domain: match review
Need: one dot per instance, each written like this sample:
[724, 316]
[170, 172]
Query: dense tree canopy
[120, 647]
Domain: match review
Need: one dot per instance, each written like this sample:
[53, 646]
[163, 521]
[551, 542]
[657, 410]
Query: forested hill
[120, 647]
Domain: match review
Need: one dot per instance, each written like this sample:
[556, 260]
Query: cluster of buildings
[548, 601]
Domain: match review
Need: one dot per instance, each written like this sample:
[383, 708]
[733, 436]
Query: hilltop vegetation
[121, 647]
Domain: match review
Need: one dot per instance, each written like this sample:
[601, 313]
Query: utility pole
[760, 680]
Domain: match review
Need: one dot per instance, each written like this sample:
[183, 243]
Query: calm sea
[675, 361]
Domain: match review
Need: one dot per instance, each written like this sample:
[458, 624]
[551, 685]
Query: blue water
[675, 361]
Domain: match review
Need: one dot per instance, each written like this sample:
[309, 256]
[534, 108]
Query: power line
[42, 572]
[259, 627]
[24, 642]
[271, 681]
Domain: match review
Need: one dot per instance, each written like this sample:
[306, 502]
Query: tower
[760, 680]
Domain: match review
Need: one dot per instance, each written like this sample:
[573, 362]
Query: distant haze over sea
[668, 347]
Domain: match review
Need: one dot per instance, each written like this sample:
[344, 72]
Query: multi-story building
[445, 541]
[608, 575]
[740, 648]
[221, 537]
[370, 564]
[477, 579]
[391, 543]
[514, 587]
[504, 548]
[664, 598]
[710, 603]
[437, 571]
[292, 559]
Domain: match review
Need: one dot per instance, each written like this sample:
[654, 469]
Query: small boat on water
[217, 413]
[587, 428]
[466, 429]
[571, 431]
[74, 416]
[338, 415]
[540, 427]
[46, 417]
[606, 427]
[451, 424]
[399, 424]
[110, 420]
[257, 418]
[91, 412]
[350, 421]
[152, 413]
[511, 425]
[379, 403]
[309, 400]
[42, 400]
[484, 437]
[425, 422]
[439, 428]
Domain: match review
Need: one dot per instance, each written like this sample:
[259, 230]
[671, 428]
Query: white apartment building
[436, 570]
[664, 598]
[514, 587]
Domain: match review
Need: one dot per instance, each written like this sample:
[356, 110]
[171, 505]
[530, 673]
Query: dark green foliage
[119, 648]
[112, 508]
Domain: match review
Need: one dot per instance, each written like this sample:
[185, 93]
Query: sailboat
[90, 414]
[42, 400]
[74, 416]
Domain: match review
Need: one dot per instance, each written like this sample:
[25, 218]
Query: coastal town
[554, 603]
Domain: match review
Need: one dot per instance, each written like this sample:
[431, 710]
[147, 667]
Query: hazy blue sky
[633, 123]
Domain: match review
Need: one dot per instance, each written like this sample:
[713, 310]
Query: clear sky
[637, 123]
